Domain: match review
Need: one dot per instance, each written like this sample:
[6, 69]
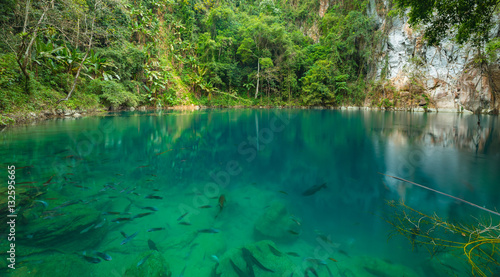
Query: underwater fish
[182, 216]
[93, 260]
[129, 238]
[156, 229]
[250, 259]
[315, 261]
[214, 258]
[293, 232]
[311, 269]
[222, 201]
[182, 272]
[87, 229]
[330, 274]
[154, 209]
[332, 259]
[49, 180]
[185, 223]
[103, 256]
[144, 259]
[344, 253]
[295, 220]
[123, 234]
[142, 215]
[112, 213]
[294, 254]
[237, 269]
[312, 190]
[100, 224]
[152, 245]
[45, 204]
[274, 251]
[284, 192]
[205, 207]
[121, 219]
[153, 197]
[209, 231]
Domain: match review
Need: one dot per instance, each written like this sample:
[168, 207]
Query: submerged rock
[149, 264]
[267, 260]
[381, 268]
[277, 223]
[67, 228]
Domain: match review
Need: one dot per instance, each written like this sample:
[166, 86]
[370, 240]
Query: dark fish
[294, 254]
[344, 253]
[237, 269]
[153, 197]
[156, 229]
[184, 223]
[121, 219]
[312, 190]
[182, 272]
[152, 245]
[209, 230]
[48, 181]
[293, 232]
[205, 207]
[249, 258]
[182, 216]
[144, 259]
[284, 192]
[150, 208]
[311, 269]
[104, 256]
[123, 234]
[222, 201]
[142, 215]
[129, 238]
[93, 260]
[274, 251]
[113, 213]
[329, 272]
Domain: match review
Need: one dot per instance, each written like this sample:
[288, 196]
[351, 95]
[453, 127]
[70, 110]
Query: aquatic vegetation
[478, 244]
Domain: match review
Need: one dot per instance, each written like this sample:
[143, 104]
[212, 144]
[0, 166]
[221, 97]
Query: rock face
[447, 74]
[276, 224]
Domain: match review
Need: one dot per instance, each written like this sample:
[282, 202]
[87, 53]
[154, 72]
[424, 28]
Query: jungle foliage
[166, 52]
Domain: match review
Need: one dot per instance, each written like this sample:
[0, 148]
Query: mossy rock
[371, 266]
[154, 266]
[266, 252]
[59, 265]
[276, 224]
[62, 229]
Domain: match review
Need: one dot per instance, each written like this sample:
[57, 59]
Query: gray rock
[77, 115]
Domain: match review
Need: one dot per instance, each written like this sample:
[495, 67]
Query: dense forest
[81, 54]
[166, 52]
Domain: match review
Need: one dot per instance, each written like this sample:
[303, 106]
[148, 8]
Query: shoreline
[35, 117]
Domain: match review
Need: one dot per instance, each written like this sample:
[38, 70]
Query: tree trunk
[258, 78]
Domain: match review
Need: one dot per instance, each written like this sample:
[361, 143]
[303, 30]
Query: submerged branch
[442, 193]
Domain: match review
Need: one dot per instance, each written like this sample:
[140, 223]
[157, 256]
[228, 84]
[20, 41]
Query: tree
[470, 20]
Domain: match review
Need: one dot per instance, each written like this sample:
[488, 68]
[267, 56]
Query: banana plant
[99, 67]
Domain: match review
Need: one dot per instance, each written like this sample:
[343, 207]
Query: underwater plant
[478, 244]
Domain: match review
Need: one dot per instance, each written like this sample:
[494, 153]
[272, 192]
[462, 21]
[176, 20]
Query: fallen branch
[442, 193]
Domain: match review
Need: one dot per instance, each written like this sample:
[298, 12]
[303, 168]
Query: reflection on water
[132, 172]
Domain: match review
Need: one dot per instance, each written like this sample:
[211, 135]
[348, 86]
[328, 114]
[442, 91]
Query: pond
[244, 192]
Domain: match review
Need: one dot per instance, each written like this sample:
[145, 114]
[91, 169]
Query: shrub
[113, 94]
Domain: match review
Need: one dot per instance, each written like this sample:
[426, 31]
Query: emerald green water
[259, 160]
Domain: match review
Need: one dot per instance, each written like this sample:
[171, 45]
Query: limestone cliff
[447, 76]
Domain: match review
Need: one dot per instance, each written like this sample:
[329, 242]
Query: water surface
[90, 168]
